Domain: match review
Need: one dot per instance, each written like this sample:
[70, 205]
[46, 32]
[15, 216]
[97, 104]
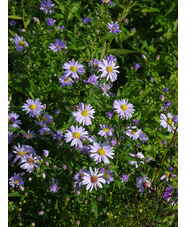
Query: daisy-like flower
[94, 64]
[58, 45]
[138, 155]
[22, 150]
[72, 68]
[143, 137]
[29, 135]
[92, 80]
[108, 70]
[105, 88]
[124, 178]
[76, 134]
[58, 135]
[99, 152]
[123, 108]
[108, 176]
[106, 131]
[107, 2]
[54, 187]
[28, 162]
[33, 107]
[10, 137]
[65, 81]
[45, 131]
[13, 120]
[16, 180]
[85, 149]
[132, 133]
[114, 28]
[84, 114]
[167, 176]
[93, 179]
[86, 20]
[45, 119]
[111, 58]
[167, 121]
[50, 21]
[142, 182]
[79, 178]
[12, 23]
[19, 43]
[46, 6]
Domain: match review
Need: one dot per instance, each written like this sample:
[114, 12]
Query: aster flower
[50, 21]
[28, 162]
[33, 107]
[29, 135]
[106, 131]
[85, 149]
[45, 119]
[94, 64]
[137, 66]
[12, 23]
[108, 176]
[45, 131]
[16, 180]
[113, 27]
[142, 182]
[10, 137]
[79, 178]
[13, 120]
[92, 80]
[166, 105]
[105, 88]
[168, 193]
[19, 43]
[58, 45]
[72, 68]
[109, 114]
[93, 179]
[111, 58]
[65, 81]
[124, 178]
[132, 132]
[101, 152]
[167, 121]
[76, 134]
[123, 108]
[167, 176]
[138, 155]
[54, 187]
[84, 114]
[143, 137]
[107, 2]
[46, 6]
[58, 135]
[108, 70]
[86, 20]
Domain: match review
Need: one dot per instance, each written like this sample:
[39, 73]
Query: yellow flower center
[16, 181]
[113, 29]
[167, 174]
[123, 107]
[169, 121]
[21, 43]
[132, 132]
[76, 135]
[43, 118]
[147, 184]
[94, 179]
[9, 121]
[107, 175]
[21, 153]
[47, 7]
[73, 68]
[105, 129]
[33, 107]
[106, 1]
[28, 135]
[109, 69]
[67, 80]
[84, 113]
[30, 160]
[101, 151]
[46, 133]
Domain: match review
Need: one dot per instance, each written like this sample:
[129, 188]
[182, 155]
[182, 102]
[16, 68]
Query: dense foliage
[92, 119]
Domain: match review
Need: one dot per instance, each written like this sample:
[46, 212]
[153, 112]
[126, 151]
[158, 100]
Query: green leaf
[150, 10]
[130, 158]
[15, 17]
[13, 194]
[96, 102]
[106, 37]
[122, 51]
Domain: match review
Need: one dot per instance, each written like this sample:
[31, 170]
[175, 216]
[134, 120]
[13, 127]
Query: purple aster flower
[16, 180]
[113, 27]
[46, 153]
[33, 107]
[54, 187]
[143, 137]
[85, 149]
[66, 81]
[40, 212]
[135, 122]
[72, 68]
[124, 178]
[167, 121]
[50, 21]
[170, 168]
[123, 108]
[12, 23]
[101, 152]
[106, 131]
[104, 88]
[113, 142]
[45, 119]
[94, 64]
[143, 56]
[13, 120]
[36, 19]
[29, 135]
[138, 155]
[10, 137]
[76, 134]
[109, 114]
[142, 182]
[161, 97]
[107, 2]
[166, 90]
[46, 6]
[175, 119]
[28, 162]
[167, 104]
[62, 28]
[86, 20]
[92, 80]
[79, 178]
[58, 45]
[108, 176]
[84, 113]
[132, 132]
[108, 70]
[45, 131]
[151, 79]
[19, 43]
[137, 66]
[148, 159]
[111, 58]
[168, 175]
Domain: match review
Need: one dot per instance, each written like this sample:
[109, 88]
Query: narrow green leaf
[121, 51]
[13, 194]
[15, 17]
